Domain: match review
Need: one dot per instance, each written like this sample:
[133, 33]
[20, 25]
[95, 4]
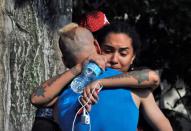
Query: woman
[120, 43]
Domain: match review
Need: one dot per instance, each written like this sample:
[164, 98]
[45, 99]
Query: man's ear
[96, 44]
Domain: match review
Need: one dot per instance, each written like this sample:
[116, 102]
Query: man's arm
[46, 94]
[152, 113]
[145, 78]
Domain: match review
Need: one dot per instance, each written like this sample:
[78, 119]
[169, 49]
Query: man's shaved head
[74, 41]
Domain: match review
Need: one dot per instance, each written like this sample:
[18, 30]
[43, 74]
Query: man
[73, 38]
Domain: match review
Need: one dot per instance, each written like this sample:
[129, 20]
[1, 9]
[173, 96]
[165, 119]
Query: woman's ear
[133, 58]
[96, 44]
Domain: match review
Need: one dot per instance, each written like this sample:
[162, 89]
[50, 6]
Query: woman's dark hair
[119, 27]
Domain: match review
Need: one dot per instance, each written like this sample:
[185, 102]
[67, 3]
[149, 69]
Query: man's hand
[90, 94]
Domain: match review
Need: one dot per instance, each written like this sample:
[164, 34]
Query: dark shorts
[44, 124]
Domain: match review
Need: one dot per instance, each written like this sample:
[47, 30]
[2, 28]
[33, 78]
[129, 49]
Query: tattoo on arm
[52, 80]
[39, 91]
[74, 70]
[140, 76]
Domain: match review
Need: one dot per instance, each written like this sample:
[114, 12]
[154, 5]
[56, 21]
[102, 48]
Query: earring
[131, 67]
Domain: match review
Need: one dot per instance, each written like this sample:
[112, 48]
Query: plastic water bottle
[89, 73]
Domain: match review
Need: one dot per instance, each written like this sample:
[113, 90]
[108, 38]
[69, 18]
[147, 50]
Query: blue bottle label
[94, 67]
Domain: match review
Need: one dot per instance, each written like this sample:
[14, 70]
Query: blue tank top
[115, 110]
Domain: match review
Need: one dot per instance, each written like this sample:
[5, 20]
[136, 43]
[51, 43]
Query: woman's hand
[101, 60]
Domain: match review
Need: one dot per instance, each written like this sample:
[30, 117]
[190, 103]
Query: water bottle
[90, 71]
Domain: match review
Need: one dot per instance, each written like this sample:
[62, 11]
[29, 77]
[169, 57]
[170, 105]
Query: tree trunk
[29, 54]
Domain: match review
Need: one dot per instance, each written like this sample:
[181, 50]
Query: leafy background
[164, 27]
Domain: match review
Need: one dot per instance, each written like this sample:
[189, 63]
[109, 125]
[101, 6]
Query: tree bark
[29, 54]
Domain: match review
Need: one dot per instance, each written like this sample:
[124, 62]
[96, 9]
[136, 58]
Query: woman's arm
[152, 113]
